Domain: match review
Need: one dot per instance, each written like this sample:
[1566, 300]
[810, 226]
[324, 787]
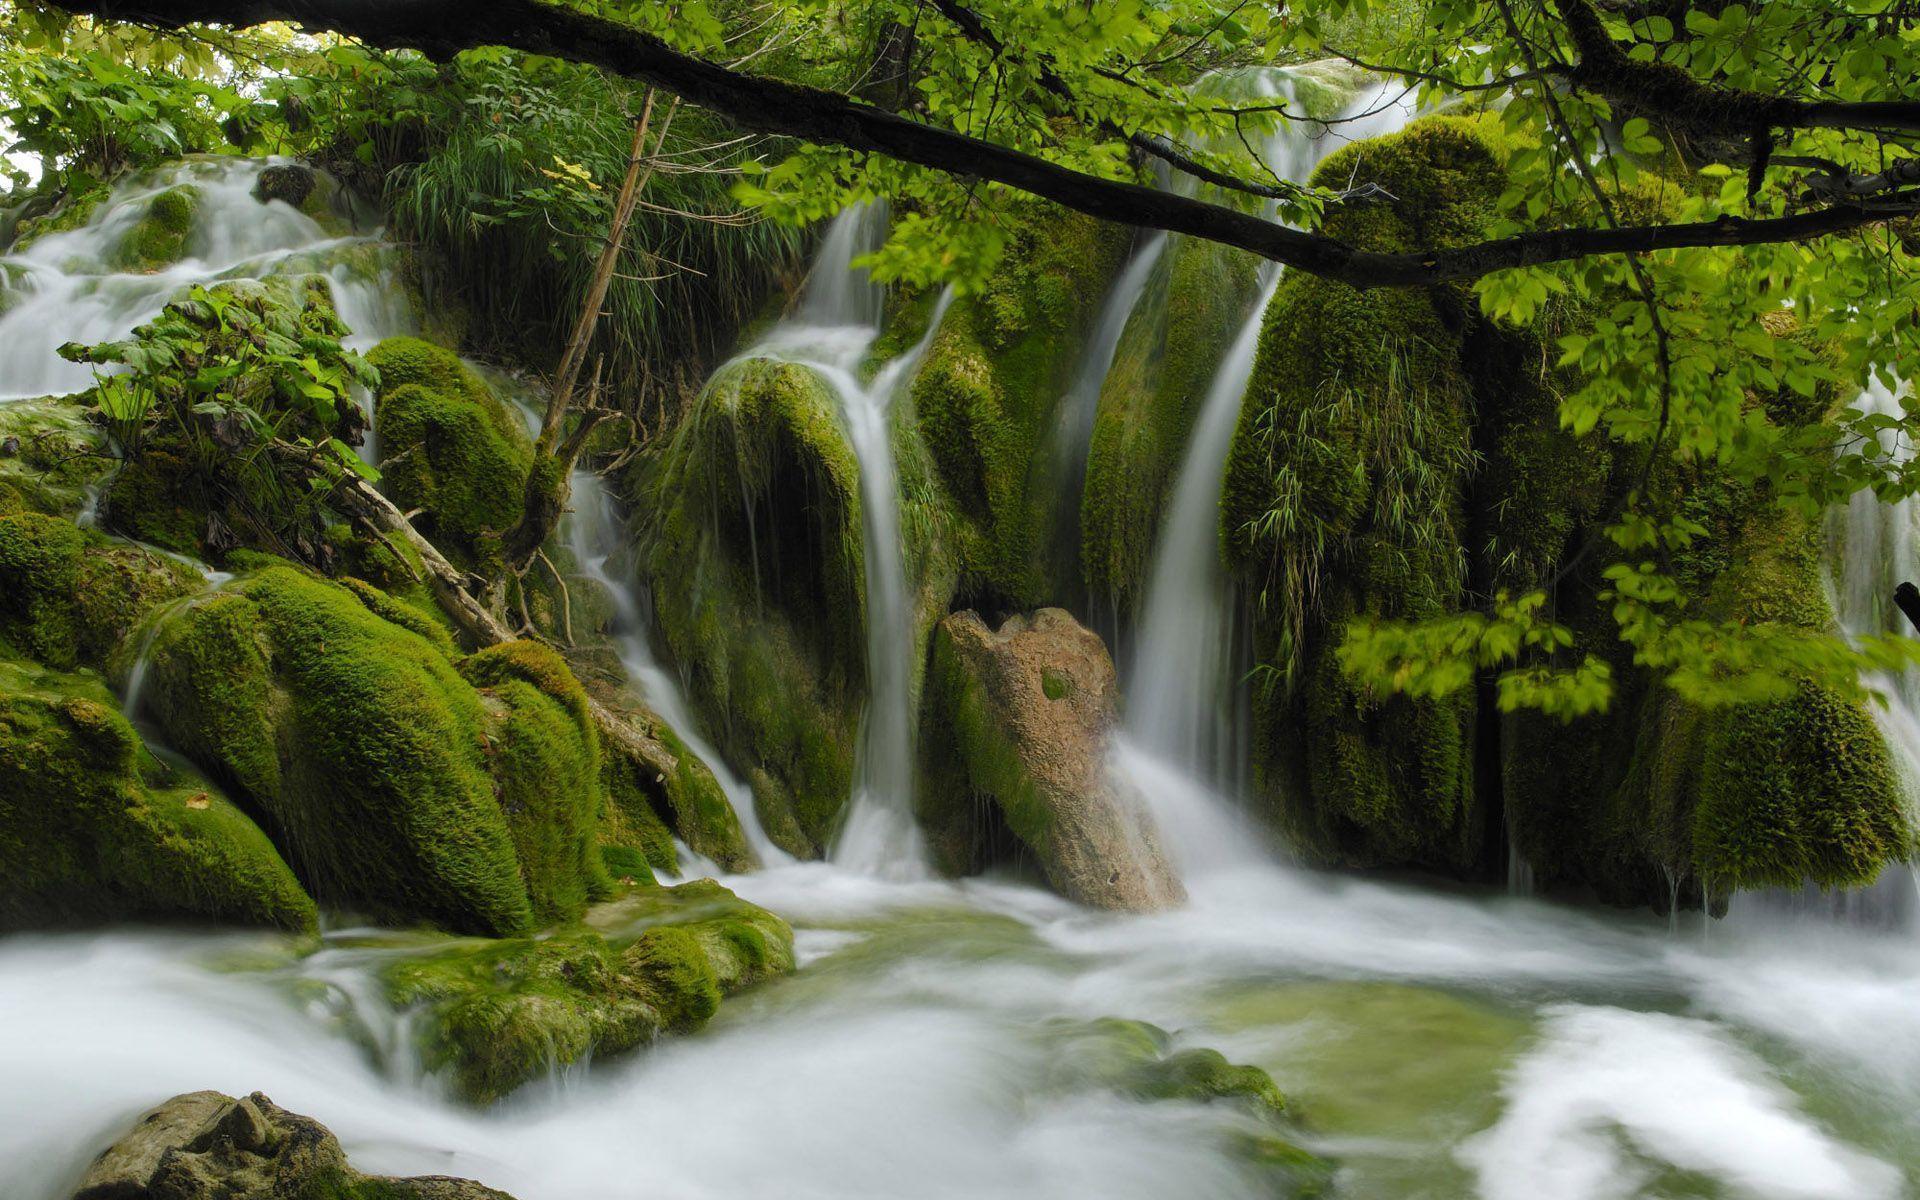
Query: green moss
[401, 612]
[68, 597]
[985, 400]
[753, 551]
[670, 791]
[157, 499]
[497, 1014]
[544, 755]
[58, 454]
[449, 448]
[1196, 299]
[382, 771]
[81, 196]
[159, 238]
[91, 828]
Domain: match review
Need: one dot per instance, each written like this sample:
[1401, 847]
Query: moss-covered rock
[657, 787]
[397, 785]
[159, 237]
[94, 828]
[753, 553]
[1347, 496]
[68, 596]
[449, 448]
[499, 1013]
[1015, 736]
[986, 399]
[1198, 295]
[50, 454]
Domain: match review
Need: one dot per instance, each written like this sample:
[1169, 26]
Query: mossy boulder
[201, 1145]
[498, 1013]
[657, 787]
[986, 402]
[752, 549]
[1015, 737]
[92, 827]
[289, 183]
[68, 596]
[449, 448]
[159, 237]
[1197, 297]
[400, 784]
[1347, 496]
[60, 206]
[50, 454]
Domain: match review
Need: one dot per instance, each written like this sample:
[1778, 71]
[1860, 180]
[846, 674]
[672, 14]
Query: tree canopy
[1683, 173]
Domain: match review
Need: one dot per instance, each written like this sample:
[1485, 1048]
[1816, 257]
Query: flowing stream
[1437, 1044]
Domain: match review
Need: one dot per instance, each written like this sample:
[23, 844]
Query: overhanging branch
[441, 28]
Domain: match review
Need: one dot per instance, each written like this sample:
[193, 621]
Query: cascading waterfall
[830, 331]
[65, 287]
[1185, 702]
[596, 536]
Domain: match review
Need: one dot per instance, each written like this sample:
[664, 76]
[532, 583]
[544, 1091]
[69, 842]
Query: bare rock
[1016, 734]
[209, 1146]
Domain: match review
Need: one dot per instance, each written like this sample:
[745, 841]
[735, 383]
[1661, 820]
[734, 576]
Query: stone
[210, 1146]
[288, 181]
[1024, 718]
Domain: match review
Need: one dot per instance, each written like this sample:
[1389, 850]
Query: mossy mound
[159, 237]
[986, 399]
[449, 448]
[753, 553]
[68, 596]
[1347, 496]
[61, 208]
[49, 454]
[94, 828]
[1196, 299]
[499, 1013]
[398, 786]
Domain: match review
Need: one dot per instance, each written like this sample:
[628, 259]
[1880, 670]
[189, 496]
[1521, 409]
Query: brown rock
[209, 1146]
[1023, 719]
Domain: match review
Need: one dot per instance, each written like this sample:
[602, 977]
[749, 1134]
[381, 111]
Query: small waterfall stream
[597, 536]
[1185, 701]
[831, 331]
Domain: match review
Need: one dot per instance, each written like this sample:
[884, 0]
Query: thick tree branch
[443, 27]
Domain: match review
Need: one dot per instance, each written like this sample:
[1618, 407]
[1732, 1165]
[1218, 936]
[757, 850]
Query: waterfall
[1185, 702]
[596, 535]
[65, 287]
[1073, 433]
[1873, 546]
[830, 331]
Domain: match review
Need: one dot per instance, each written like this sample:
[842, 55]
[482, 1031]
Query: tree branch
[441, 28]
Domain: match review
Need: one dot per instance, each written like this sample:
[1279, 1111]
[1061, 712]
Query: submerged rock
[495, 1014]
[210, 1146]
[1022, 719]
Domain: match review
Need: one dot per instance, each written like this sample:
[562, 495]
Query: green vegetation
[68, 597]
[159, 238]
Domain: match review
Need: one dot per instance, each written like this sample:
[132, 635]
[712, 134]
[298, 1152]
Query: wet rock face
[209, 1146]
[1022, 719]
[290, 182]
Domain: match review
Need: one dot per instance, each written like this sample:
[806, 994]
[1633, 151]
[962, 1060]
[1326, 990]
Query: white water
[1185, 701]
[831, 331]
[62, 288]
[597, 537]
